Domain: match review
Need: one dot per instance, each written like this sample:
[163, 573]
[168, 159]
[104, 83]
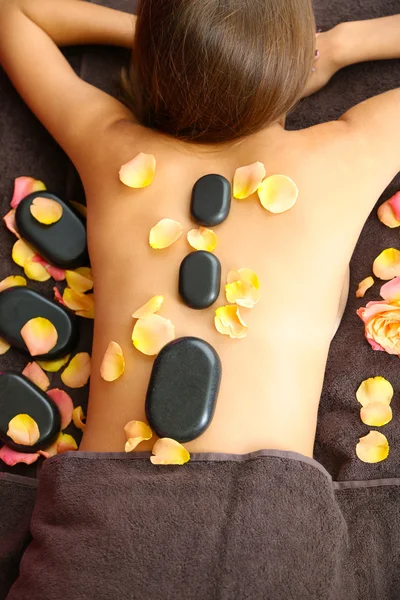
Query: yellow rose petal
[242, 293]
[81, 208]
[136, 432]
[228, 321]
[164, 234]
[246, 275]
[138, 172]
[363, 286]
[113, 364]
[46, 210]
[21, 252]
[22, 429]
[77, 374]
[4, 346]
[247, 180]
[386, 215]
[66, 443]
[169, 452]
[151, 307]
[36, 374]
[52, 366]
[51, 450]
[375, 389]
[278, 193]
[202, 239]
[387, 264]
[35, 271]
[80, 280]
[376, 414]
[77, 301]
[373, 448]
[152, 333]
[39, 335]
[78, 416]
[12, 281]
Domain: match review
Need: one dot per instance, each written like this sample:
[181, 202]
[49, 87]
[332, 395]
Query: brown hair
[215, 70]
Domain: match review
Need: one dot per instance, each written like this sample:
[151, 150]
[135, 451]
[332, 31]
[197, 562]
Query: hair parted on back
[212, 71]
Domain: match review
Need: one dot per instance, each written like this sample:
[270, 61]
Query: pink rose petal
[12, 458]
[54, 272]
[394, 204]
[10, 223]
[23, 186]
[65, 405]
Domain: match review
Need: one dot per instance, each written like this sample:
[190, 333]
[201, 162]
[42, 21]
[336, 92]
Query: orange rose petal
[21, 252]
[136, 432]
[4, 346]
[64, 405]
[81, 208]
[138, 172]
[247, 180]
[77, 301]
[151, 307]
[78, 416]
[363, 286]
[12, 281]
[35, 271]
[52, 366]
[394, 203]
[36, 374]
[66, 443]
[46, 210]
[242, 293]
[169, 452]
[51, 450]
[39, 335]
[278, 193]
[202, 239]
[373, 448]
[164, 234]
[22, 429]
[376, 414]
[391, 290]
[387, 264]
[386, 216]
[12, 457]
[77, 373]
[9, 220]
[228, 321]
[152, 333]
[113, 365]
[80, 280]
[375, 389]
[24, 186]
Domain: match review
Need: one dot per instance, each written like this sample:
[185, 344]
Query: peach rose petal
[9, 220]
[113, 365]
[169, 452]
[78, 416]
[78, 301]
[77, 374]
[138, 172]
[151, 307]
[136, 432]
[242, 293]
[375, 389]
[152, 333]
[391, 290]
[24, 430]
[35, 270]
[64, 405]
[39, 335]
[394, 203]
[4, 346]
[363, 286]
[46, 210]
[81, 208]
[21, 252]
[66, 443]
[372, 448]
[228, 321]
[376, 414]
[23, 186]
[165, 233]
[51, 450]
[247, 180]
[12, 281]
[36, 374]
[12, 457]
[52, 366]
[386, 216]
[80, 280]
[202, 239]
[387, 264]
[246, 275]
[278, 193]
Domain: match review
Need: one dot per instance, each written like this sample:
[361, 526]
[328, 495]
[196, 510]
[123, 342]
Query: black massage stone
[62, 244]
[18, 305]
[18, 395]
[183, 389]
[200, 279]
[211, 200]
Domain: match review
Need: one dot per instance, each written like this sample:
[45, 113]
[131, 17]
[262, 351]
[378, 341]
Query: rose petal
[376, 414]
[373, 448]
[21, 252]
[78, 416]
[391, 290]
[39, 335]
[151, 307]
[152, 333]
[36, 374]
[387, 264]
[228, 321]
[54, 272]
[164, 234]
[81, 208]
[4, 346]
[35, 271]
[169, 452]
[77, 373]
[52, 366]
[10, 223]
[86, 314]
[77, 301]
[80, 280]
[51, 450]
[46, 210]
[242, 293]
[64, 404]
[23, 186]
[12, 458]
[202, 239]
[246, 275]
[394, 203]
[138, 172]
[386, 215]
[363, 286]
[247, 180]
[66, 443]
[278, 193]
[23, 430]
[136, 432]
[375, 389]
[113, 364]
[12, 281]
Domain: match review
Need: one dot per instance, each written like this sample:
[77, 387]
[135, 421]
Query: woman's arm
[375, 39]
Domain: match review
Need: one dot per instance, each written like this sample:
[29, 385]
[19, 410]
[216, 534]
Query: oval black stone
[20, 304]
[18, 395]
[183, 389]
[211, 200]
[62, 244]
[200, 279]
